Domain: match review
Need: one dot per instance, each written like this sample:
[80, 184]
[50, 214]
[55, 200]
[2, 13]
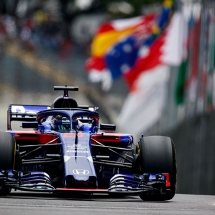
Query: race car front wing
[132, 184]
[119, 184]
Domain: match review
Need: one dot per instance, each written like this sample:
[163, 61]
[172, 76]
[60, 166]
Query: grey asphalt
[21, 203]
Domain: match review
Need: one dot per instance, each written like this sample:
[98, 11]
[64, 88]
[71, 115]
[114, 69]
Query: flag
[149, 78]
[122, 57]
[117, 44]
[144, 104]
[109, 35]
[194, 39]
[180, 83]
[158, 53]
[145, 63]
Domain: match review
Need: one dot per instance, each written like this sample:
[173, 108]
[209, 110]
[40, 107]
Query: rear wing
[23, 113]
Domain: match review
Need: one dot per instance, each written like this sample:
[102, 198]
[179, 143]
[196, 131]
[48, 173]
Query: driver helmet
[60, 123]
[85, 123]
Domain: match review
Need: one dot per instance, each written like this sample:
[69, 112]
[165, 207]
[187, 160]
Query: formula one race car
[64, 148]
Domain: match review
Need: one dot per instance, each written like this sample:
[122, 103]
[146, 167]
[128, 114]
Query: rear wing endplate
[23, 113]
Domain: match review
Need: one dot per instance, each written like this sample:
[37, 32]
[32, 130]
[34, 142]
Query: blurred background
[147, 64]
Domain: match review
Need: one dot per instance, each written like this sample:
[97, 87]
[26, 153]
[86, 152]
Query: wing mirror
[108, 127]
[30, 125]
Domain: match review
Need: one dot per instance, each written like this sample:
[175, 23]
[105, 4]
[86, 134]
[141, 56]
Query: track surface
[21, 203]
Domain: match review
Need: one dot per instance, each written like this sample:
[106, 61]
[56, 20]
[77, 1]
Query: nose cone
[73, 181]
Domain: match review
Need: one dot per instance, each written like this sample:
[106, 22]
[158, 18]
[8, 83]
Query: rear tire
[157, 155]
[7, 158]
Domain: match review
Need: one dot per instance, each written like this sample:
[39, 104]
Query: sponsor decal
[66, 158]
[76, 146]
[18, 109]
[77, 151]
[80, 171]
[72, 135]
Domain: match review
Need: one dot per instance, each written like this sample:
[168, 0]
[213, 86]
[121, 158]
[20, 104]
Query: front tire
[157, 155]
[4, 191]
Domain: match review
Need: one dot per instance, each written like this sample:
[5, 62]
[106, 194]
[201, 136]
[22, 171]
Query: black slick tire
[157, 155]
[7, 158]
[7, 151]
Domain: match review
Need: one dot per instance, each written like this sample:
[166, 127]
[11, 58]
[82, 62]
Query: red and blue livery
[64, 148]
